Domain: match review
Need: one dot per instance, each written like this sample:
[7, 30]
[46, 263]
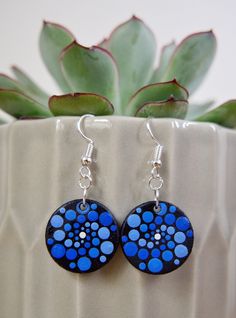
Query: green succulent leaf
[78, 104]
[29, 86]
[224, 115]
[90, 70]
[20, 105]
[8, 83]
[156, 93]
[197, 109]
[133, 46]
[53, 39]
[169, 108]
[166, 53]
[191, 60]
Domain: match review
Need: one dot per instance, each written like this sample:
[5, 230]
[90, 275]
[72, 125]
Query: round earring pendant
[157, 242]
[82, 238]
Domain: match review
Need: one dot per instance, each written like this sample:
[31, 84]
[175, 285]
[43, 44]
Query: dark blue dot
[72, 265]
[87, 245]
[155, 252]
[57, 221]
[50, 241]
[167, 256]
[172, 208]
[71, 254]
[130, 249]
[163, 209]
[96, 241]
[147, 235]
[171, 244]
[142, 266]
[92, 216]
[81, 218]
[105, 219]
[147, 216]
[76, 225]
[124, 238]
[93, 234]
[143, 227]
[143, 253]
[169, 219]
[67, 227]
[93, 206]
[88, 238]
[84, 264]
[167, 237]
[71, 234]
[82, 251]
[87, 230]
[189, 233]
[155, 265]
[152, 226]
[183, 223]
[113, 228]
[158, 220]
[58, 251]
[162, 247]
[93, 252]
[70, 215]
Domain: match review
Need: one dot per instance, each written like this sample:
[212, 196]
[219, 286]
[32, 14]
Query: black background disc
[82, 239]
[157, 242]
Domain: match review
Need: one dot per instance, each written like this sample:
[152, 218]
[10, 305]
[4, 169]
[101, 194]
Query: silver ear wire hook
[155, 181]
[85, 180]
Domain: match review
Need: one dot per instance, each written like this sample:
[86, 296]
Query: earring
[82, 235]
[156, 237]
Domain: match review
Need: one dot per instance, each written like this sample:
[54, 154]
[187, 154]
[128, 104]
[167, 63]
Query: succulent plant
[117, 76]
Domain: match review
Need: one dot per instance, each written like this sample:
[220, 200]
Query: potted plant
[40, 159]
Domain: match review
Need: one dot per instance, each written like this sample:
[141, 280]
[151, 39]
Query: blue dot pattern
[157, 242]
[82, 239]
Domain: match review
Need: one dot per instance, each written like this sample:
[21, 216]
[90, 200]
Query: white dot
[82, 235]
[157, 236]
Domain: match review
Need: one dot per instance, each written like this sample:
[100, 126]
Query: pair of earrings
[82, 235]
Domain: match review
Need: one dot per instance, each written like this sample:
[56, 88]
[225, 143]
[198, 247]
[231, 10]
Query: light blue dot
[59, 235]
[95, 241]
[84, 264]
[176, 261]
[170, 218]
[105, 219]
[138, 210]
[103, 233]
[155, 265]
[77, 244]
[72, 265]
[56, 221]
[142, 242]
[163, 227]
[181, 251]
[133, 220]
[143, 254]
[93, 252]
[58, 251]
[155, 252]
[81, 209]
[179, 237]
[107, 247]
[62, 210]
[67, 227]
[94, 226]
[142, 266]
[68, 243]
[50, 241]
[134, 235]
[103, 258]
[71, 254]
[82, 251]
[150, 244]
[171, 244]
[70, 215]
[130, 249]
[87, 224]
[158, 220]
[170, 230]
[167, 256]
[113, 228]
[163, 208]
[172, 208]
[94, 206]
[81, 218]
[183, 223]
[92, 216]
[143, 227]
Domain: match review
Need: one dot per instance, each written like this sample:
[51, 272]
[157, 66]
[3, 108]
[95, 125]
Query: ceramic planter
[39, 165]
